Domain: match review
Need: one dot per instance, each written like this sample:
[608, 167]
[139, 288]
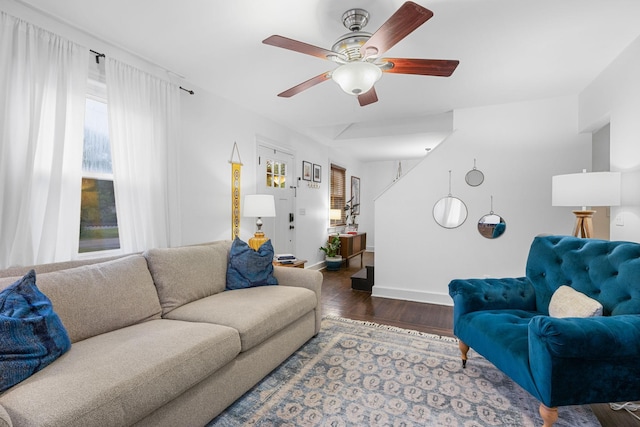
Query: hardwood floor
[338, 299]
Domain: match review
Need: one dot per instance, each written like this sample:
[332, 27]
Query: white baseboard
[409, 295]
[317, 266]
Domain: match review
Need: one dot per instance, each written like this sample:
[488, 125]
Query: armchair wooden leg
[549, 415]
[464, 349]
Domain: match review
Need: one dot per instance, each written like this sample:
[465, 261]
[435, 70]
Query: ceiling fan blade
[425, 67]
[402, 23]
[368, 97]
[297, 46]
[305, 85]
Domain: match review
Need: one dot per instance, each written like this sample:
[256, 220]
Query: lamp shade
[259, 205]
[335, 214]
[357, 77]
[586, 189]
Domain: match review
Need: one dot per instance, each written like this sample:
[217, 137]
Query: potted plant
[332, 259]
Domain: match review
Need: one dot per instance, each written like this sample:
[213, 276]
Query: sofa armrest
[303, 278]
[574, 361]
[491, 294]
[593, 338]
[5, 420]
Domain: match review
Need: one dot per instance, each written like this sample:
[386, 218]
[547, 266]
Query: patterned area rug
[363, 374]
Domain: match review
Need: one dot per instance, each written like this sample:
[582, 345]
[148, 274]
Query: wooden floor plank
[338, 299]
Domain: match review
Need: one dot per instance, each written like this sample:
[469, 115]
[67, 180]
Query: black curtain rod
[102, 55]
[98, 55]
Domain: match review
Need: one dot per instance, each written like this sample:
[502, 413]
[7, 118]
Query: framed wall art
[355, 195]
[317, 173]
[306, 171]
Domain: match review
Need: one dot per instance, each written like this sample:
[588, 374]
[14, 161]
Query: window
[276, 174]
[338, 194]
[98, 218]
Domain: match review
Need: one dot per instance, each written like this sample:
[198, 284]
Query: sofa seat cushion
[119, 377]
[256, 313]
[501, 336]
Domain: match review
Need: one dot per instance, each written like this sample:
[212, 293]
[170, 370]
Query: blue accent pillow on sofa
[248, 268]
[32, 334]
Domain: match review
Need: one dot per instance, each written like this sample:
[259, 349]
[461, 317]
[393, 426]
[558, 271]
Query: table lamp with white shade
[585, 190]
[259, 205]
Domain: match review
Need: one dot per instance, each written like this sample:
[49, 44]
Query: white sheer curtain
[42, 99]
[144, 117]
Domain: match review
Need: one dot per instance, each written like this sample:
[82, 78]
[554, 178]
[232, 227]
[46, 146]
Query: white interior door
[276, 176]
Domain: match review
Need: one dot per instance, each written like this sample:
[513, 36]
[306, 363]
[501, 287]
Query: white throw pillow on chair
[567, 302]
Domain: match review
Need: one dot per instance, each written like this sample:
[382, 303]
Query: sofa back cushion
[18, 271]
[99, 298]
[188, 273]
[606, 271]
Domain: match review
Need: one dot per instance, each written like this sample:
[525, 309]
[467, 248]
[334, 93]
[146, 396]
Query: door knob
[291, 227]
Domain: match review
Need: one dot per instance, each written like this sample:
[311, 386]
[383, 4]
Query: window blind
[338, 193]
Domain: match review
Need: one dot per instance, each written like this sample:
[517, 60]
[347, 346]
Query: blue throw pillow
[248, 268]
[32, 334]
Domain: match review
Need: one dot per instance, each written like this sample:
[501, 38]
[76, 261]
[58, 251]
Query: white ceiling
[509, 50]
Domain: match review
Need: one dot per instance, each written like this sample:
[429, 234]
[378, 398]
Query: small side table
[299, 263]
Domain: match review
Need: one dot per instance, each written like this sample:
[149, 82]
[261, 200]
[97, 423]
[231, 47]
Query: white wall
[614, 97]
[377, 178]
[518, 147]
[82, 38]
[210, 126]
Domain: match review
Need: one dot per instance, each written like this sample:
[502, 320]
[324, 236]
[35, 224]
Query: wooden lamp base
[584, 224]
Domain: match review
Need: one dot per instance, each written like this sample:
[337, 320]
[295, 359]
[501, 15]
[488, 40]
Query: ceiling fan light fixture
[357, 77]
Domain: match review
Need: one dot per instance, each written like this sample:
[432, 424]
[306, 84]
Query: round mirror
[491, 226]
[450, 212]
[474, 177]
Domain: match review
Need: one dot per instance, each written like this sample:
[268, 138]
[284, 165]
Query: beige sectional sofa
[157, 340]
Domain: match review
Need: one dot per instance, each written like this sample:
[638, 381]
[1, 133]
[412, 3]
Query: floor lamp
[259, 205]
[585, 189]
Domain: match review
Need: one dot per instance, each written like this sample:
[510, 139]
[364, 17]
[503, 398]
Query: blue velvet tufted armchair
[560, 361]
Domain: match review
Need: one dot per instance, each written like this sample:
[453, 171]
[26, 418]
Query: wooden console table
[352, 245]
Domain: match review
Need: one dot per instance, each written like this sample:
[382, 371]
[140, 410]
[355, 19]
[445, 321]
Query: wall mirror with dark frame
[491, 225]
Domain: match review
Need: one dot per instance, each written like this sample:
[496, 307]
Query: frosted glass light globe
[357, 77]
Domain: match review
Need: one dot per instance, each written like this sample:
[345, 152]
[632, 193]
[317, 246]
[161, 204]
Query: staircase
[363, 279]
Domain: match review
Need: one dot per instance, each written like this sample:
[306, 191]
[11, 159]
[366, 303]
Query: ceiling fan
[358, 53]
